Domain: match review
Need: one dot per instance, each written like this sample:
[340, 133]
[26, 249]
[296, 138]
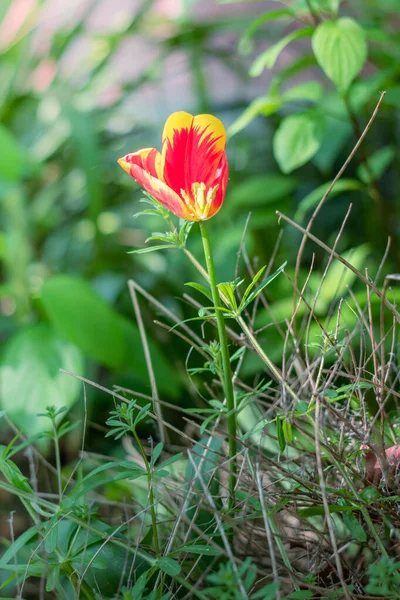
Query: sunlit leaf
[30, 378]
[267, 59]
[297, 139]
[340, 48]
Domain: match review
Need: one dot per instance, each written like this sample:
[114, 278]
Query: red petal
[193, 148]
[221, 179]
[148, 159]
[154, 186]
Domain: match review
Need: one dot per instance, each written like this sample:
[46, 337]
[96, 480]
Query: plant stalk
[58, 460]
[225, 358]
[151, 493]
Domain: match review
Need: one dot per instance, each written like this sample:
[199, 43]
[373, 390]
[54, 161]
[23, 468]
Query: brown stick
[328, 191]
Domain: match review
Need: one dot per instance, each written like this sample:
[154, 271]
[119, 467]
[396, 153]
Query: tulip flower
[190, 174]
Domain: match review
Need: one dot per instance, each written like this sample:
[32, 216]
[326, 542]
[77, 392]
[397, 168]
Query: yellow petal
[208, 125]
[175, 122]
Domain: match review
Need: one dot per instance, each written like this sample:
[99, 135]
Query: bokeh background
[83, 82]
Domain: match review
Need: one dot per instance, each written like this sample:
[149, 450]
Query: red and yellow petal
[176, 122]
[160, 191]
[148, 159]
[221, 179]
[192, 150]
[208, 125]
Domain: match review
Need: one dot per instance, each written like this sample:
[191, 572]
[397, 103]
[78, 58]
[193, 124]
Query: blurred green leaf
[260, 190]
[86, 144]
[168, 566]
[313, 511]
[327, 5]
[280, 434]
[83, 317]
[297, 139]
[377, 163]
[266, 105]
[310, 90]
[354, 526]
[314, 197]
[267, 59]
[11, 156]
[198, 549]
[341, 49]
[245, 43]
[30, 379]
[339, 278]
[337, 132]
[268, 592]
[300, 595]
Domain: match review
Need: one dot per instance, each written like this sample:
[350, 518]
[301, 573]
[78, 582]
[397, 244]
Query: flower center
[199, 203]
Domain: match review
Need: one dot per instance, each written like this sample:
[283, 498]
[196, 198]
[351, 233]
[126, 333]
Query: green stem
[151, 494]
[58, 460]
[250, 336]
[226, 363]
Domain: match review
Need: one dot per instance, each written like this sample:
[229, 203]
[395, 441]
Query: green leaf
[139, 587]
[152, 249]
[200, 288]
[337, 132]
[30, 378]
[300, 595]
[51, 534]
[253, 283]
[263, 285]
[83, 317]
[168, 566]
[245, 43]
[156, 453]
[313, 198]
[356, 529]
[287, 431]
[227, 288]
[171, 460]
[327, 5]
[297, 139]
[313, 511]
[378, 163]
[309, 90]
[118, 470]
[266, 105]
[268, 592]
[341, 50]
[21, 541]
[301, 406]
[11, 156]
[268, 58]
[280, 435]
[198, 549]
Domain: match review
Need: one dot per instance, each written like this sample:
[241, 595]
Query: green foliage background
[307, 75]
[67, 210]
